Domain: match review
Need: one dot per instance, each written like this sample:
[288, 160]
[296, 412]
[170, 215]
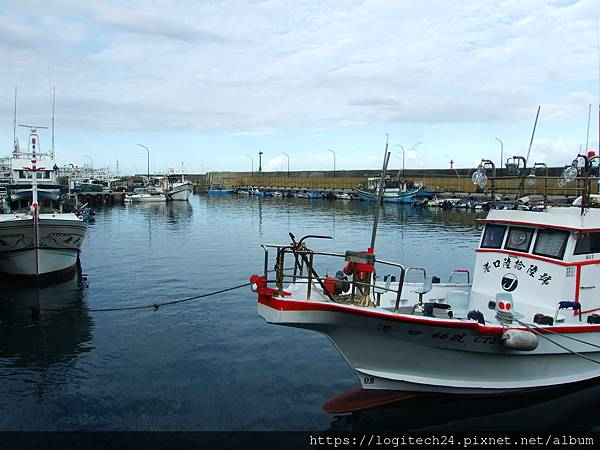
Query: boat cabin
[391, 184]
[540, 258]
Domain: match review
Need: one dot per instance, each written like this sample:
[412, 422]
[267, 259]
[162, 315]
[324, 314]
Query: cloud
[253, 133]
[350, 124]
[152, 24]
[258, 69]
[279, 163]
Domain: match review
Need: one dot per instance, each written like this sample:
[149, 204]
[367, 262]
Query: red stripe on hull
[296, 305]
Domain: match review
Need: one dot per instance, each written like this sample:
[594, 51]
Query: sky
[208, 84]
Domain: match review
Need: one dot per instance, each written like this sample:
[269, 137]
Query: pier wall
[442, 180]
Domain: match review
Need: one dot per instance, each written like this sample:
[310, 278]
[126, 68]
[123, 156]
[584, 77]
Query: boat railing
[360, 289]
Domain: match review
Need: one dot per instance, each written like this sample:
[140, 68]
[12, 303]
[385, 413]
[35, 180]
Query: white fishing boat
[529, 318]
[342, 196]
[37, 240]
[176, 187]
[148, 194]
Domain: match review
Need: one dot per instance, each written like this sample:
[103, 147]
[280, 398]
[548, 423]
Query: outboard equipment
[430, 307]
[477, 316]
[338, 284]
[542, 319]
[593, 319]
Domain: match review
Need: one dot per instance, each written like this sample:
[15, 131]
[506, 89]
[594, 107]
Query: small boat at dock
[148, 194]
[394, 190]
[219, 190]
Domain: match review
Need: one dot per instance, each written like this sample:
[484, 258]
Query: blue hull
[407, 197]
[221, 191]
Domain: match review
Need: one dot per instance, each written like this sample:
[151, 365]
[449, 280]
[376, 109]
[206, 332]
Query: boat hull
[40, 262]
[180, 193]
[413, 354]
[147, 198]
[221, 191]
[50, 250]
[389, 197]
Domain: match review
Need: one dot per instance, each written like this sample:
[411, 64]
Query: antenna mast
[16, 145]
[386, 160]
[532, 134]
[53, 102]
[598, 46]
[587, 136]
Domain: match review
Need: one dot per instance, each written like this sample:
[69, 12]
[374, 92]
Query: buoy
[519, 340]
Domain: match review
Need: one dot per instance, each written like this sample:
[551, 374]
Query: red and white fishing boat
[527, 319]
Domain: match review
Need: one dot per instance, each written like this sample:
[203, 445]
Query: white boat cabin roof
[560, 218]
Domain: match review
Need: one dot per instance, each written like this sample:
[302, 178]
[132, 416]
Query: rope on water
[154, 306]
[538, 333]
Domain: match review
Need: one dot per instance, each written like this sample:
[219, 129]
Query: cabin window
[551, 243]
[493, 236]
[587, 243]
[519, 239]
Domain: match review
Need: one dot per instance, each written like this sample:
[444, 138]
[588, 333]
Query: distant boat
[342, 196]
[176, 187]
[277, 194]
[146, 195]
[218, 190]
[395, 191]
[258, 193]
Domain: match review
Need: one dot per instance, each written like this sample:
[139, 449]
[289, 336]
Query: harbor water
[213, 363]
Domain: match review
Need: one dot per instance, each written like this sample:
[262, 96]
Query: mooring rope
[538, 333]
[154, 306]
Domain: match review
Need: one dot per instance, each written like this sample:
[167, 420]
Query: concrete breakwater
[437, 180]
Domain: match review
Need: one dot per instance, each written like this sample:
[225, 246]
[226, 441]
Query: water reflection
[565, 409]
[179, 212]
[53, 336]
[192, 366]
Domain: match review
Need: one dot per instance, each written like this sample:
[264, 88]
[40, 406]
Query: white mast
[53, 102]
[15, 143]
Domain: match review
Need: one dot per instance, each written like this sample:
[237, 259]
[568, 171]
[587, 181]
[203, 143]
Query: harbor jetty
[439, 182]
[546, 181]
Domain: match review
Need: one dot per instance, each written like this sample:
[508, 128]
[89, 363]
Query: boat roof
[558, 217]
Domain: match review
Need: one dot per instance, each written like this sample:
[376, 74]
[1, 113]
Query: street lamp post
[260, 153]
[251, 167]
[333, 161]
[288, 163]
[91, 161]
[143, 146]
[501, 152]
[402, 159]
